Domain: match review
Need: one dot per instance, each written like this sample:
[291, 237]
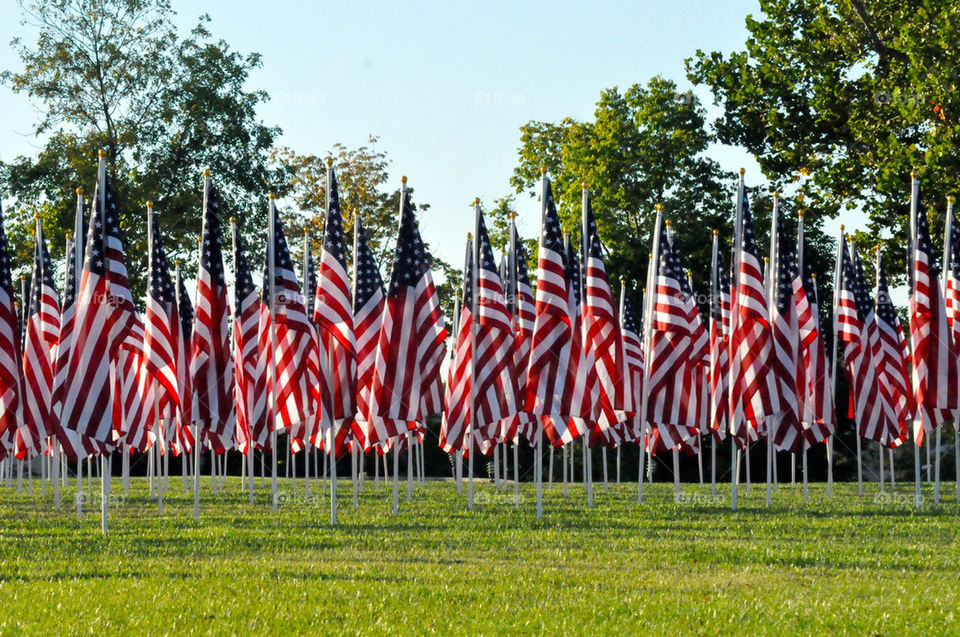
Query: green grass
[845, 566]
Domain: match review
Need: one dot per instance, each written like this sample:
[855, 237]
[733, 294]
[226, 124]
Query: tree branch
[876, 43]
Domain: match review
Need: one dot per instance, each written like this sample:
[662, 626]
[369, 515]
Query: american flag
[162, 328]
[602, 336]
[935, 382]
[494, 378]
[333, 316]
[249, 364]
[816, 397]
[677, 345]
[294, 371]
[210, 370]
[39, 354]
[951, 281]
[183, 438]
[135, 421]
[410, 343]
[789, 308]
[104, 314]
[548, 371]
[74, 445]
[368, 303]
[456, 415]
[719, 344]
[857, 326]
[892, 362]
[753, 392]
[579, 398]
[632, 427]
[520, 303]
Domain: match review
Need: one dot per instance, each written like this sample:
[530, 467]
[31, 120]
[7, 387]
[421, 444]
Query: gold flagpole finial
[403, 179]
[329, 162]
[101, 153]
[742, 171]
[206, 173]
[659, 207]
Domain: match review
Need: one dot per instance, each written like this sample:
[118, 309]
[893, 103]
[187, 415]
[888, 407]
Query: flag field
[851, 565]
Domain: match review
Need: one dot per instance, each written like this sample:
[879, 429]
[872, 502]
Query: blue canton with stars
[366, 273]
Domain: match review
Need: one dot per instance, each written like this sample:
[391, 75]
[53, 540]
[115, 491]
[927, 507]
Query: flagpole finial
[476, 201]
[841, 228]
[800, 213]
[951, 199]
[271, 196]
[176, 263]
[876, 249]
[233, 221]
[513, 215]
[913, 174]
[329, 162]
[206, 173]
[149, 205]
[659, 207]
[766, 259]
[69, 236]
[102, 153]
[79, 191]
[543, 170]
[813, 275]
[622, 281]
[742, 171]
[469, 236]
[776, 194]
[403, 179]
[715, 233]
[583, 185]
[669, 223]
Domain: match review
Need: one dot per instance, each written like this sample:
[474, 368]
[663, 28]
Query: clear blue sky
[445, 87]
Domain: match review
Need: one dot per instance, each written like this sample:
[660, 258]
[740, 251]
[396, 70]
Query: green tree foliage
[646, 145]
[843, 99]
[363, 180]
[116, 75]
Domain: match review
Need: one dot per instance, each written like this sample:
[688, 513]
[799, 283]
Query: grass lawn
[846, 566]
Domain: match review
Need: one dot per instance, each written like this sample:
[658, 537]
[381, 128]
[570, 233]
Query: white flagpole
[947, 265]
[649, 293]
[837, 283]
[911, 257]
[156, 408]
[538, 441]
[772, 272]
[197, 439]
[584, 202]
[715, 307]
[735, 268]
[101, 198]
[853, 250]
[308, 294]
[332, 442]
[800, 264]
[513, 266]
[474, 301]
[78, 247]
[272, 290]
[184, 460]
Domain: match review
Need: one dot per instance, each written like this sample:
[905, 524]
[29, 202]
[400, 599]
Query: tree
[843, 100]
[362, 179]
[644, 146]
[115, 75]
